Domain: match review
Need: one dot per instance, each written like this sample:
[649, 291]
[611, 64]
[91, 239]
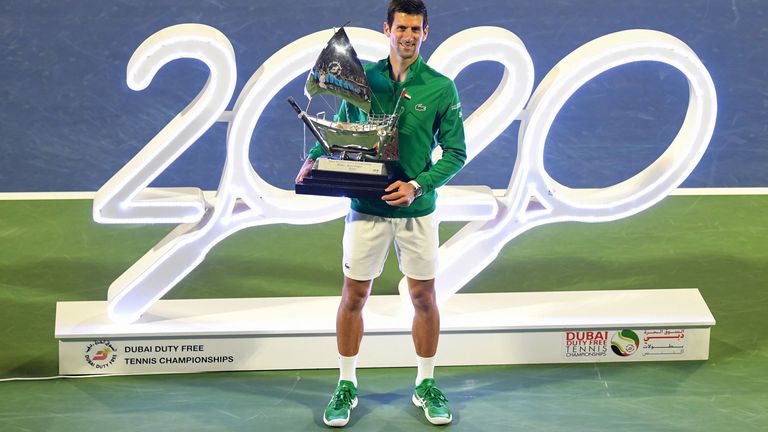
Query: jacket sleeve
[450, 136]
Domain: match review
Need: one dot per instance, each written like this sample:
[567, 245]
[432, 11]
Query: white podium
[177, 336]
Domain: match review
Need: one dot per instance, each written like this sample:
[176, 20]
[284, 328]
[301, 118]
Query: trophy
[361, 159]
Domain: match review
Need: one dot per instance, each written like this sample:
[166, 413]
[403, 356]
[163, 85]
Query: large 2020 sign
[244, 199]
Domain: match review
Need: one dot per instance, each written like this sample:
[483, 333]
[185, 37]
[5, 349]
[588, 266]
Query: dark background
[68, 121]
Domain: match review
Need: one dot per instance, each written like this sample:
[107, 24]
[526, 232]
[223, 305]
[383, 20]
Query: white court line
[27, 196]
[721, 191]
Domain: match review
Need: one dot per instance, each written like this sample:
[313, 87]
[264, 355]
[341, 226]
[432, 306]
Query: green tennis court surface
[52, 251]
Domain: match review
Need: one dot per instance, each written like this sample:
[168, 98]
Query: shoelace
[434, 396]
[343, 396]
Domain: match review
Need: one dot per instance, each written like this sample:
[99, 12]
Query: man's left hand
[402, 194]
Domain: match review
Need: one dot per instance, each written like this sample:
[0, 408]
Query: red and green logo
[624, 343]
[100, 354]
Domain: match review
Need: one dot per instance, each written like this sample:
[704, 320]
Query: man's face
[406, 35]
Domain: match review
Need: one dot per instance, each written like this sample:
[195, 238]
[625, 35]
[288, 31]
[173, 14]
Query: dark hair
[408, 7]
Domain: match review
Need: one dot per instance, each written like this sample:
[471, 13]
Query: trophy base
[342, 178]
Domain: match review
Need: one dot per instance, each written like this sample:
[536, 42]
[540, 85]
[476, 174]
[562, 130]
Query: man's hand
[402, 194]
[304, 170]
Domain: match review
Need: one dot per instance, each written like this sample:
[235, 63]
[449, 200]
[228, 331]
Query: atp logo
[244, 199]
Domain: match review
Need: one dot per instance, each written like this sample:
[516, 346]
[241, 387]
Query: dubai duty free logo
[100, 354]
[624, 343]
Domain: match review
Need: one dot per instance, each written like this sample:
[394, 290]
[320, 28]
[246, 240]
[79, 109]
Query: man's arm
[306, 167]
[450, 136]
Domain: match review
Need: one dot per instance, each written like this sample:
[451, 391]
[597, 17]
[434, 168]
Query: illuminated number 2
[125, 198]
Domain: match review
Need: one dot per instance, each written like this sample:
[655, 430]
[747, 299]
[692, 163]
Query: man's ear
[426, 32]
[386, 28]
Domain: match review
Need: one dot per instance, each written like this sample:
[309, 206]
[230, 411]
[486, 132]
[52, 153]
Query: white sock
[347, 369]
[426, 367]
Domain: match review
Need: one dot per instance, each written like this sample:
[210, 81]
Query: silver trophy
[361, 158]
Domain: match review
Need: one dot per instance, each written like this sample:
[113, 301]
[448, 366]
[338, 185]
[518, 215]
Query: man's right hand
[304, 170]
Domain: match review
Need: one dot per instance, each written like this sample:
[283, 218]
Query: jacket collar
[413, 69]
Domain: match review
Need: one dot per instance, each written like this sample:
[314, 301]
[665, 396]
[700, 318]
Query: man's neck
[399, 66]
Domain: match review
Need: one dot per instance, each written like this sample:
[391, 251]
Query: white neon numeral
[125, 198]
[244, 199]
[504, 105]
[477, 244]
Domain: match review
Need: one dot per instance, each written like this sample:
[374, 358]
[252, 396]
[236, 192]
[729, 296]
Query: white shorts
[367, 240]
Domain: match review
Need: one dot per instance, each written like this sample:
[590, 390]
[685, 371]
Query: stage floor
[52, 251]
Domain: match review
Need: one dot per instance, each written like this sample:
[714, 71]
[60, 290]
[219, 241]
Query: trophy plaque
[361, 159]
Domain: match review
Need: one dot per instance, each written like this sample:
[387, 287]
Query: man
[404, 213]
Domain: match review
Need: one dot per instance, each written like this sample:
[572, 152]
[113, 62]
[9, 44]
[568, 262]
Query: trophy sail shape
[361, 157]
[338, 72]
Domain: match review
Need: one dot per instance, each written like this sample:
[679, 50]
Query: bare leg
[426, 321]
[349, 318]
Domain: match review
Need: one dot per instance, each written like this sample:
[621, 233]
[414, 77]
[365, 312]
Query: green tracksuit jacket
[432, 116]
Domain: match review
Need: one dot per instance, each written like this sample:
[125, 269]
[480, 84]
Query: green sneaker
[343, 401]
[433, 401]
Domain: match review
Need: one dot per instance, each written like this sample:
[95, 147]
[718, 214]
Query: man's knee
[422, 294]
[355, 293]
